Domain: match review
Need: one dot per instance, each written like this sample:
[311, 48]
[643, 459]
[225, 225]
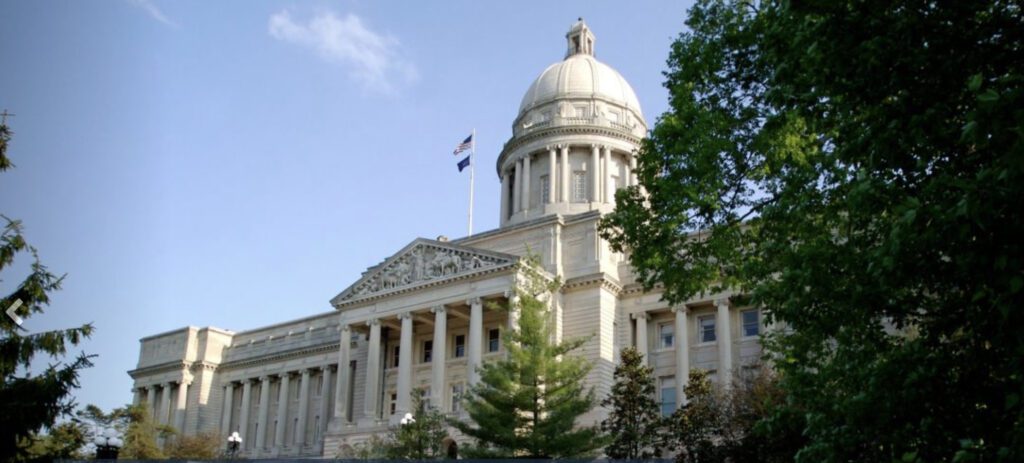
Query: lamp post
[107, 444]
[234, 442]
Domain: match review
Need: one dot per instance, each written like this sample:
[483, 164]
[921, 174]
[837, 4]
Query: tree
[63, 441]
[203, 446]
[855, 168]
[526, 405]
[634, 420]
[30, 402]
[695, 427]
[421, 438]
[141, 434]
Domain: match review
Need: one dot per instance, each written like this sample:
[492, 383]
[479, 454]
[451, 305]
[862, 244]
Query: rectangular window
[457, 397]
[425, 397]
[394, 403]
[428, 351]
[666, 335]
[395, 356]
[751, 322]
[460, 346]
[668, 395]
[493, 340]
[706, 325]
[579, 186]
[545, 188]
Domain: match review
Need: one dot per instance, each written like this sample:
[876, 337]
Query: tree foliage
[527, 404]
[634, 419]
[422, 438]
[30, 403]
[856, 167]
[203, 446]
[140, 437]
[63, 441]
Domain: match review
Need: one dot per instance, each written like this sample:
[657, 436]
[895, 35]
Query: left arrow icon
[11, 312]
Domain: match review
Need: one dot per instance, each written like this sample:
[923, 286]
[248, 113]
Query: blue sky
[237, 164]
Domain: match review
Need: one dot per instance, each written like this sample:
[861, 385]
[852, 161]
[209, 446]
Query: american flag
[465, 145]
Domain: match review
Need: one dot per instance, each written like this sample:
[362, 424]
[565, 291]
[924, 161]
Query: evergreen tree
[695, 428]
[634, 421]
[140, 437]
[526, 405]
[30, 403]
[419, 438]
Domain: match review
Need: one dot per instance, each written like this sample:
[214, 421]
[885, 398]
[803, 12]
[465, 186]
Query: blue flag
[463, 163]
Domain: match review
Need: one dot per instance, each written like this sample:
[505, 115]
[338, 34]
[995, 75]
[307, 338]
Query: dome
[580, 76]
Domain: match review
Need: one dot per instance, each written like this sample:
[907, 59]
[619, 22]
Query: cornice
[278, 356]
[595, 280]
[424, 285]
[172, 366]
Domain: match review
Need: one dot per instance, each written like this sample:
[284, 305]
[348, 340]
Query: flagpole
[472, 167]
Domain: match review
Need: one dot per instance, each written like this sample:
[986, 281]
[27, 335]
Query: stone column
[517, 187]
[344, 373]
[404, 365]
[262, 415]
[632, 170]
[595, 173]
[282, 411]
[724, 343]
[226, 402]
[513, 313]
[372, 389]
[325, 401]
[641, 334]
[300, 433]
[526, 183]
[179, 406]
[476, 329]
[504, 197]
[565, 173]
[609, 189]
[439, 360]
[682, 348]
[136, 395]
[151, 400]
[552, 174]
[165, 404]
[243, 414]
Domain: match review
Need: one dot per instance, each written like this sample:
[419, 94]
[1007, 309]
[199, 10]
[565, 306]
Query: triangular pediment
[423, 262]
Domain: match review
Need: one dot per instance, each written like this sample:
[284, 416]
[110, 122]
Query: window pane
[707, 329]
[460, 346]
[428, 351]
[579, 186]
[668, 396]
[493, 337]
[667, 334]
[545, 188]
[751, 323]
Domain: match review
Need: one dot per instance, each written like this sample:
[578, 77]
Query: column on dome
[262, 414]
[565, 173]
[632, 170]
[476, 329]
[595, 173]
[526, 184]
[344, 375]
[609, 189]
[504, 196]
[179, 406]
[282, 410]
[404, 385]
[300, 433]
[227, 405]
[517, 187]
[641, 334]
[724, 343]
[552, 174]
[437, 362]
[372, 389]
[243, 415]
[682, 350]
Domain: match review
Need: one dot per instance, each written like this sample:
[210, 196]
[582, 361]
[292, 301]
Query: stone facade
[422, 319]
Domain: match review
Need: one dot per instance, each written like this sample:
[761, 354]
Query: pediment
[423, 262]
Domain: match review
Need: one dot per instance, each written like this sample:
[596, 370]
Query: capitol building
[420, 321]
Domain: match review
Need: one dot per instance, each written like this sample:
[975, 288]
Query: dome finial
[580, 39]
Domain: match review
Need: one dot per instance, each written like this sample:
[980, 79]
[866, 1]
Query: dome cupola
[582, 121]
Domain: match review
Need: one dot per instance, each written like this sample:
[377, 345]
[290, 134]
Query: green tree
[421, 438]
[634, 419]
[526, 404]
[695, 429]
[141, 434]
[31, 402]
[855, 167]
[203, 446]
[65, 441]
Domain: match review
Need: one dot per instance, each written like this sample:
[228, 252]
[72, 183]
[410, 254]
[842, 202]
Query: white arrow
[14, 316]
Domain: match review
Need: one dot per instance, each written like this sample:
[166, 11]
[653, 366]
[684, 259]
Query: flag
[465, 145]
[463, 163]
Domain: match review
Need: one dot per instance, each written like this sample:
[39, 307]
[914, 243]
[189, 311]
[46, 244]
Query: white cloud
[372, 59]
[151, 9]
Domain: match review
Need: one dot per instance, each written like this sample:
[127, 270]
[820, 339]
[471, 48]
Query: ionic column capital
[680, 308]
[373, 322]
[438, 309]
[722, 301]
[640, 316]
[474, 301]
[404, 315]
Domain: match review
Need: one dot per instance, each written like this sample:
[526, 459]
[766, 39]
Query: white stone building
[420, 319]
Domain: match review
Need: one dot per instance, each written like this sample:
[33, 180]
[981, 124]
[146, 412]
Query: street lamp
[107, 444]
[234, 442]
[407, 419]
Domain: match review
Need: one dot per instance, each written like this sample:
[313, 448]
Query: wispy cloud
[153, 11]
[373, 59]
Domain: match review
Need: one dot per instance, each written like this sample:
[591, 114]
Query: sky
[238, 163]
